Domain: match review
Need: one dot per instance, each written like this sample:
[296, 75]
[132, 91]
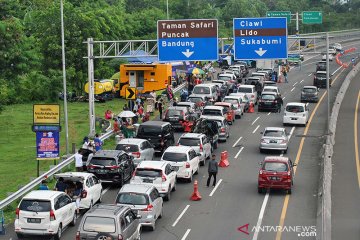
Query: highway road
[346, 167]
[224, 211]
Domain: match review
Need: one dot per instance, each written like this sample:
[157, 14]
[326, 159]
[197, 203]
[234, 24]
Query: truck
[265, 64]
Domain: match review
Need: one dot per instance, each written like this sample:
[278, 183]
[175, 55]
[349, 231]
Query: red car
[229, 109]
[276, 173]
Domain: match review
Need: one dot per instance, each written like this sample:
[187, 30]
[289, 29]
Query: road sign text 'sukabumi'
[188, 39]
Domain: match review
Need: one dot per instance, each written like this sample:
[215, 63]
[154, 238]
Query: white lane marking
[336, 70]
[291, 132]
[255, 121]
[186, 234]
[301, 81]
[180, 216]
[284, 98]
[295, 84]
[256, 128]
[261, 215]
[292, 89]
[216, 186]
[237, 141]
[310, 74]
[106, 189]
[269, 113]
[239, 152]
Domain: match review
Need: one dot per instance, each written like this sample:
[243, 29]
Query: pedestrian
[279, 102]
[43, 185]
[78, 161]
[285, 75]
[125, 108]
[98, 143]
[212, 170]
[109, 115]
[136, 107]
[160, 107]
[77, 196]
[61, 185]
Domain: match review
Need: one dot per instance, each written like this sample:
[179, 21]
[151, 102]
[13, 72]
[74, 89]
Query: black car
[176, 115]
[209, 128]
[320, 79]
[309, 94]
[321, 66]
[113, 166]
[268, 101]
[160, 134]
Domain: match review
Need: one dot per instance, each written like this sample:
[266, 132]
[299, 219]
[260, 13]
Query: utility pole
[297, 28]
[90, 44]
[328, 83]
[167, 9]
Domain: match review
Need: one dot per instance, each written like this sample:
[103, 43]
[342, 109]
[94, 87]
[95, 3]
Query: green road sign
[312, 17]
[286, 14]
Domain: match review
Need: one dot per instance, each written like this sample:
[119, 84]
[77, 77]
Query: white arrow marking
[260, 52]
[187, 53]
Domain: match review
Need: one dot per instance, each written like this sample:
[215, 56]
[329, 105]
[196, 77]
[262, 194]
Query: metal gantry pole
[328, 83]
[64, 76]
[297, 29]
[91, 86]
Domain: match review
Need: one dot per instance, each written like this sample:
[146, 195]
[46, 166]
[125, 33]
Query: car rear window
[102, 161]
[232, 101]
[149, 130]
[321, 75]
[212, 112]
[127, 147]
[294, 109]
[174, 112]
[143, 172]
[309, 90]
[201, 90]
[132, 198]
[245, 90]
[189, 141]
[273, 133]
[174, 157]
[35, 205]
[99, 224]
[226, 78]
[267, 97]
[195, 99]
[275, 167]
[270, 90]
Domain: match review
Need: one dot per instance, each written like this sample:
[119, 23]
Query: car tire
[285, 151]
[190, 178]
[168, 195]
[20, 236]
[122, 180]
[153, 227]
[100, 197]
[197, 170]
[289, 191]
[73, 221]
[260, 190]
[202, 163]
[162, 212]
[261, 150]
[57, 236]
[174, 187]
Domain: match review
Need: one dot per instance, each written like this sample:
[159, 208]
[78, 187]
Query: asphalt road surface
[234, 209]
[346, 169]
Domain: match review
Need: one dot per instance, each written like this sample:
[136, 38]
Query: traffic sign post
[187, 40]
[286, 14]
[130, 93]
[312, 17]
[260, 38]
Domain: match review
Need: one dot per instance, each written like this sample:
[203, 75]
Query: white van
[296, 113]
[250, 92]
[205, 90]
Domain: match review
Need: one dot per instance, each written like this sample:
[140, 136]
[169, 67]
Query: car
[261, 73]
[237, 103]
[193, 109]
[176, 115]
[274, 89]
[143, 199]
[109, 221]
[276, 173]
[91, 185]
[44, 212]
[158, 174]
[250, 91]
[255, 79]
[337, 46]
[229, 109]
[332, 51]
[112, 166]
[274, 138]
[245, 101]
[184, 159]
[321, 66]
[198, 100]
[224, 88]
[139, 149]
[205, 90]
[244, 69]
[320, 79]
[296, 113]
[268, 101]
[309, 94]
[214, 111]
[199, 142]
[230, 79]
[331, 57]
[209, 128]
[223, 126]
[159, 134]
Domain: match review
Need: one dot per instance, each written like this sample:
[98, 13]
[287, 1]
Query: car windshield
[189, 141]
[99, 224]
[143, 172]
[35, 205]
[321, 75]
[226, 78]
[309, 90]
[275, 167]
[232, 101]
[244, 90]
[294, 109]
[102, 161]
[128, 147]
[150, 130]
[174, 112]
[201, 90]
[182, 105]
[174, 157]
[273, 133]
[212, 112]
[270, 90]
[132, 198]
[268, 97]
[195, 99]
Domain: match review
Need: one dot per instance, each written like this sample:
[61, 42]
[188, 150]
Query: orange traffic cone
[224, 162]
[251, 108]
[196, 195]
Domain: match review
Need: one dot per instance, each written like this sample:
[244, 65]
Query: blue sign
[45, 128]
[187, 40]
[260, 38]
[47, 145]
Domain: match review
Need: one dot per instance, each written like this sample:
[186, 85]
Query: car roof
[105, 210]
[154, 123]
[276, 159]
[214, 107]
[132, 141]
[271, 87]
[151, 164]
[222, 103]
[204, 85]
[324, 72]
[178, 149]
[138, 188]
[247, 86]
[196, 96]
[213, 117]
[254, 77]
[310, 87]
[296, 104]
[259, 73]
[109, 153]
[274, 129]
[177, 108]
[185, 103]
[226, 74]
[73, 174]
[192, 135]
[219, 80]
[268, 93]
[232, 97]
[42, 194]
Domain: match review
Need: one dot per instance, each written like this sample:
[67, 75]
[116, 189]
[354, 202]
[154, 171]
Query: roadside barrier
[224, 160]
[195, 195]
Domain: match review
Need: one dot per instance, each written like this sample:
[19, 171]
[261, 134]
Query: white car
[159, 174]
[271, 89]
[332, 51]
[91, 185]
[250, 92]
[245, 101]
[185, 159]
[44, 212]
[214, 111]
[199, 142]
[236, 101]
[337, 46]
[296, 113]
[331, 57]
[140, 149]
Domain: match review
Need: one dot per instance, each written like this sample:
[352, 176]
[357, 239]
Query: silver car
[274, 138]
[199, 142]
[224, 128]
[145, 199]
[140, 149]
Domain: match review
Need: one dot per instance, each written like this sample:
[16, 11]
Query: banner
[47, 145]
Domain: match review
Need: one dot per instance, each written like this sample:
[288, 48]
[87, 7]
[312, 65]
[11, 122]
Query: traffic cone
[196, 195]
[251, 108]
[224, 162]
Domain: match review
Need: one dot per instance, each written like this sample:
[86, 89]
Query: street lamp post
[167, 9]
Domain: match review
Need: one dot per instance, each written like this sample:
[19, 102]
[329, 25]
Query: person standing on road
[98, 143]
[285, 75]
[78, 161]
[212, 170]
[279, 102]
[160, 107]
